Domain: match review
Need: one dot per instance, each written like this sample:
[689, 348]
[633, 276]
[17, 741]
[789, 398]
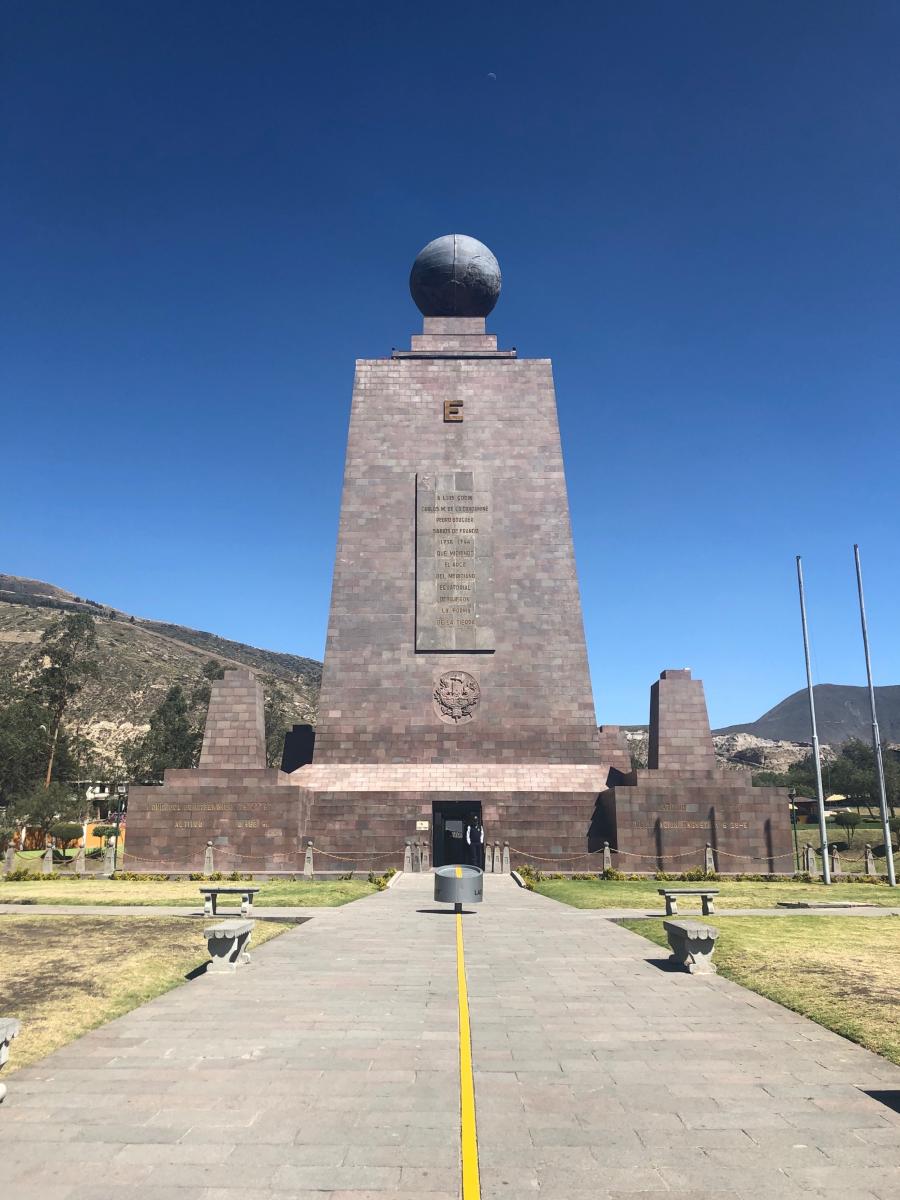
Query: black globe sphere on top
[455, 276]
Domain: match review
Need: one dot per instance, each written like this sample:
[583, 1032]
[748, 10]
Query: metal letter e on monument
[453, 410]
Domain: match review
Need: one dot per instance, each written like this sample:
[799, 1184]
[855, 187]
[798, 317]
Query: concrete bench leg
[708, 905]
[671, 906]
[228, 947]
[692, 946]
[209, 906]
[246, 906]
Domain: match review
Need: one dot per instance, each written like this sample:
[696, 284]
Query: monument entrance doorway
[449, 823]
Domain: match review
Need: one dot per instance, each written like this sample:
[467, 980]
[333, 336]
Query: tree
[25, 746]
[41, 807]
[852, 774]
[172, 741]
[67, 645]
[212, 669]
[279, 719]
[848, 821]
[66, 832]
[894, 826]
[8, 828]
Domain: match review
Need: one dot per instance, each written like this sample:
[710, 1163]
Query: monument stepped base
[368, 812]
[664, 819]
[253, 819]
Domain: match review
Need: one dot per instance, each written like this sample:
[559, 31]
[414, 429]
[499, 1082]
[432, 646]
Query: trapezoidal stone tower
[455, 673]
[246, 810]
[683, 810]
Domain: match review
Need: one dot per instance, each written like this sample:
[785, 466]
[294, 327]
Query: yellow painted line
[471, 1182]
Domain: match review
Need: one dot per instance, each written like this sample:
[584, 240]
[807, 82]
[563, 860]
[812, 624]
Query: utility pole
[823, 830]
[876, 736]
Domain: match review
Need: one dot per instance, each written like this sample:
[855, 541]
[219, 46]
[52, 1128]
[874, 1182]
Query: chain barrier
[755, 857]
[354, 857]
[255, 858]
[592, 854]
[558, 858]
[650, 857]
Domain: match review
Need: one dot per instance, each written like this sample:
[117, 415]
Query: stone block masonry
[680, 737]
[249, 812]
[455, 663]
[513, 624]
[663, 817]
[456, 673]
[235, 733]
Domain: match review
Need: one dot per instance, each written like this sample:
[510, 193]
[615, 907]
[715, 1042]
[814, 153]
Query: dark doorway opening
[450, 819]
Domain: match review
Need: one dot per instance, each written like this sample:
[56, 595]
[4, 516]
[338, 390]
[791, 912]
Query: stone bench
[212, 892]
[692, 945]
[9, 1028]
[706, 899]
[227, 943]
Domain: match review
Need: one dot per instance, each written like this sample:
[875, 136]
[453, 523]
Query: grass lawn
[841, 972]
[62, 976]
[614, 893]
[852, 852]
[91, 890]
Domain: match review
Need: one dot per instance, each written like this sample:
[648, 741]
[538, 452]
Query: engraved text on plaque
[454, 561]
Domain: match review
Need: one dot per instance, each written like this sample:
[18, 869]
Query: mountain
[139, 661]
[737, 750]
[842, 712]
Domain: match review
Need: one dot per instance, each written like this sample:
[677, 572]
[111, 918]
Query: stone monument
[455, 686]
[232, 800]
[685, 811]
[455, 678]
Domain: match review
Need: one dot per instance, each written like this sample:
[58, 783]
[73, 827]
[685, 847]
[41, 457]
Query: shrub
[530, 875]
[848, 821]
[138, 877]
[612, 873]
[582, 877]
[66, 831]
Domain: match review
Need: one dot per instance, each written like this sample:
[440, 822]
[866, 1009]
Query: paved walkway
[329, 1068]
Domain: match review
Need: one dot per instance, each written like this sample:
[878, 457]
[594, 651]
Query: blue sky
[210, 210]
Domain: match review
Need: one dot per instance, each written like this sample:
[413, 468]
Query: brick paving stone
[329, 1069]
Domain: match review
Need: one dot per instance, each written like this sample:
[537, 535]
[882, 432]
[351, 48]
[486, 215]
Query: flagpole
[823, 830]
[876, 736]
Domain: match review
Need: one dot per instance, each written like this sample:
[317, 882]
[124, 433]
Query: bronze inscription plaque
[454, 561]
